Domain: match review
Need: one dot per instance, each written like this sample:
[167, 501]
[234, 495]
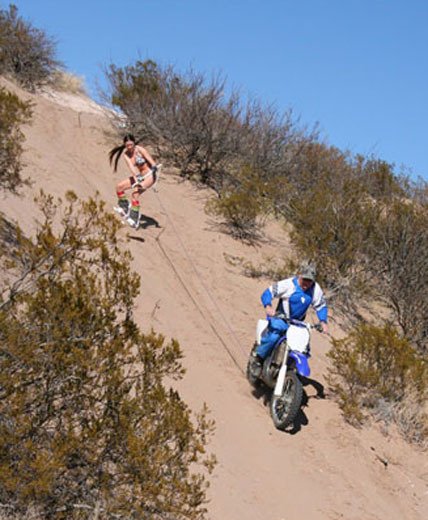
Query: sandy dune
[324, 469]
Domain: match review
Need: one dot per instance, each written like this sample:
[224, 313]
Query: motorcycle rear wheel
[284, 409]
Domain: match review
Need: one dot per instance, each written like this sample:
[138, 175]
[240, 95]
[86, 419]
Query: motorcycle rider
[295, 295]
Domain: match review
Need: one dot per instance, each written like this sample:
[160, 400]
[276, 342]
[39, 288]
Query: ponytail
[116, 152]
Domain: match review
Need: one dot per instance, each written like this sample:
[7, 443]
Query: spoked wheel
[285, 408]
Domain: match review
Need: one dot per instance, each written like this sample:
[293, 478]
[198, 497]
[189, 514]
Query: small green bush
[374, 365]
[13, 113]
[26, 53]
[379, 178]
[239, 213]
[240, 205]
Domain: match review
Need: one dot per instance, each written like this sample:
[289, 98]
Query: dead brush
[68, 82]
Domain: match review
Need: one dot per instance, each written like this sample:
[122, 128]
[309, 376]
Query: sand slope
[323, 470]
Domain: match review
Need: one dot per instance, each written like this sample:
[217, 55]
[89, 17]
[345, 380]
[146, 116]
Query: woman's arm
[131, 167]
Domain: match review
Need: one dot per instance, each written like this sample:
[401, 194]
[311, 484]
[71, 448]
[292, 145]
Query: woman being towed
[143, 175]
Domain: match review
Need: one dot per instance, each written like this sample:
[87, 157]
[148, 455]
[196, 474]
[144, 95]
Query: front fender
[302, 364]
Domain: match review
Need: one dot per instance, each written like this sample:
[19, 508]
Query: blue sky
[359, 68]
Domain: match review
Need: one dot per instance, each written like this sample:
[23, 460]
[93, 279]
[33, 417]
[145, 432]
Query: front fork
[279, 385]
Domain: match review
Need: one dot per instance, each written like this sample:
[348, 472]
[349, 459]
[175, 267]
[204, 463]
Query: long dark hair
[116, 152]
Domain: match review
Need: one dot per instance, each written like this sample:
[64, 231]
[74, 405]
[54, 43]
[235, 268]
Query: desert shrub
[410, 414]
[332, 225]
[374, 365]
[240, 205]
[28, 54]
[310, 162]
[239, 214]
[270, 268]
[270, 143]
[13, 113]
[88, 426]
[399, 262]
[379, 178]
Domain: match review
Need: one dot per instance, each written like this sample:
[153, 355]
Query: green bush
[332, 226]
[26, 53]
[239, 213]
[240, 205]
[379, 178]
[373, 366]
[88, 426]
[13, 113]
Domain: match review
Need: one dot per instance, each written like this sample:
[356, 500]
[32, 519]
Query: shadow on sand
[145, 222]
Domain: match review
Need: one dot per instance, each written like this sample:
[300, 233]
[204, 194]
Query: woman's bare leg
[140, 188]
[134, 214]
[148, 182]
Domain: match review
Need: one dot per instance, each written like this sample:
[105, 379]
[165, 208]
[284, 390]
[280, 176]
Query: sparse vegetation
[13, 113]
[269, 268]
[88, 426]
[375, 370]
[27, 54]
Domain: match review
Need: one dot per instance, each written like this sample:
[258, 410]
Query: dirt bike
[283, 369]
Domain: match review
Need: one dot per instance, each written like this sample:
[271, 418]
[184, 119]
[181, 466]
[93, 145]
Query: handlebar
[292, 321]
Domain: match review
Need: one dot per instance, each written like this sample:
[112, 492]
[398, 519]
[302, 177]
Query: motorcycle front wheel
[285, 408]
[252, 378]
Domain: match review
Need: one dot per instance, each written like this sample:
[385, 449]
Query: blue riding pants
[276, 329]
